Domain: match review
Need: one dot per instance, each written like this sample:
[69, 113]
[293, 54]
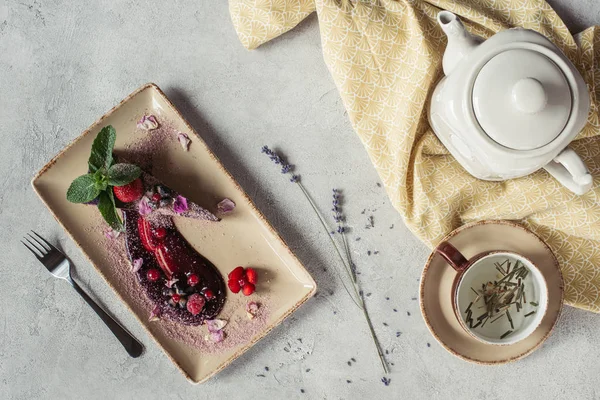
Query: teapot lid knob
[529, 95]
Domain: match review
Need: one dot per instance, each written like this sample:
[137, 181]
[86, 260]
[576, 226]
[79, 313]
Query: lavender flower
[285, 167]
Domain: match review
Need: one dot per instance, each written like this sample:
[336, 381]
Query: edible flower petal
[155, 314]
[184, 141]
[137, 264]
[180, 204]
[217, 337]
[215, 325]
[171, 282]
[252, 309]
[226, 205]
[144, 206]
[111, 233]
[148, 123]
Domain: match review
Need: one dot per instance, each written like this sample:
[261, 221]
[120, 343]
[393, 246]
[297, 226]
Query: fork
[59, 265]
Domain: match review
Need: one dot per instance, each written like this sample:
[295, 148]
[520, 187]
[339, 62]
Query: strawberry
[251, 275]
[236, 274]
[131, 192]
[145, 230]
[234, 285]
[248, 289]
[165, 260]
[195, 303]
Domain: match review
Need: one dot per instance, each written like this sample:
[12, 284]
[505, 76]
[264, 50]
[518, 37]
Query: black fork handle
[131, 344]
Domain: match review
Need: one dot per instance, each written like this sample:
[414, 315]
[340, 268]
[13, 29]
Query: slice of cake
[184, 285]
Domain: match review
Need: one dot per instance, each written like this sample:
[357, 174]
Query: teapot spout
[460, 41]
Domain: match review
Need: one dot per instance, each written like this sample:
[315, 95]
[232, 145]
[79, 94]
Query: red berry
[131, 192]
[153, 275]
[176, 298]
[193, 280]
[166, 258]
[236, 274]
[251, 275]
[195, 304]
[248, 289]
[156, 197]
[208, 294]
[160, 232]
[234, 285]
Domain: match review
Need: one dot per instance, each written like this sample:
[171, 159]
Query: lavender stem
[321, 219]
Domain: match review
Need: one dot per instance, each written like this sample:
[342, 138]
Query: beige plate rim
[238, 353]
[426, 317]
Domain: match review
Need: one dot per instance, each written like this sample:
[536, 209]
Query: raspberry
[251, 275]
[156, 197]
[153, 275]
[234, 286]
[236, 274]
[193, 280]
[248, 289]
[131, 192]
[195, 304]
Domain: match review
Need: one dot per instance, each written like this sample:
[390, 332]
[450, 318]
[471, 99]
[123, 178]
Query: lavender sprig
[339, 218]
[287, 169]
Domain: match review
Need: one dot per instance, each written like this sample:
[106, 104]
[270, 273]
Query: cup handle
[452, 256]
[568, 168]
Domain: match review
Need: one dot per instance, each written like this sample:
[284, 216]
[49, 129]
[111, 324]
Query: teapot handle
[568, 168]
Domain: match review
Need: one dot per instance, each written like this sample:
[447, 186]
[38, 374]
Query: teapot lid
[522, 99]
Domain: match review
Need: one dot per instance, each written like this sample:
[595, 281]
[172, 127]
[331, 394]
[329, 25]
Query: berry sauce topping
[199, 291]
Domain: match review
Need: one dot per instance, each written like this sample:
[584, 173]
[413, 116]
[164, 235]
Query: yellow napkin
[385, 58]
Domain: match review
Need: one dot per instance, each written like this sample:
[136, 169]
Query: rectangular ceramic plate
[243, 237]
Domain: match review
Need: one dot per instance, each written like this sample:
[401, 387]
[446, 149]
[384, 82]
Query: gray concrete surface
[64, 63]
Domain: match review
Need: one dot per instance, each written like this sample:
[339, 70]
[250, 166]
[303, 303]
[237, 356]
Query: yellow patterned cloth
[385, 58]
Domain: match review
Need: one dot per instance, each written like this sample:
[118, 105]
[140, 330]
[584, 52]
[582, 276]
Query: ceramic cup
[480, 269]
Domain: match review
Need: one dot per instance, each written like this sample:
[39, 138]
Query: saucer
[436, 286]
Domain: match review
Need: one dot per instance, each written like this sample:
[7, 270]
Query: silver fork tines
[59, 265]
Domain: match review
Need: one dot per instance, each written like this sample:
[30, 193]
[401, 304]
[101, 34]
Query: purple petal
[215, 325]
[217, 336]
[111, 233]
[148, 123]
[180, 204]
[252, 309]
[184, 141]
[155, 314]
[144, 206]
[226, 205]
[137, 264]
[171, 282]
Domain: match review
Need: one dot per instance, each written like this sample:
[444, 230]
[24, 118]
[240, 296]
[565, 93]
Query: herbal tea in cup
[499, 297]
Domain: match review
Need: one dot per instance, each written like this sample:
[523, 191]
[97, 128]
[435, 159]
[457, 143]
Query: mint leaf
[122, 174]
[83, 189]
[101, 155]
[100, 180]
[106, 205]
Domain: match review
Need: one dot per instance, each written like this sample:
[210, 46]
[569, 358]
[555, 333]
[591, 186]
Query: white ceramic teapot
[510, 105]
